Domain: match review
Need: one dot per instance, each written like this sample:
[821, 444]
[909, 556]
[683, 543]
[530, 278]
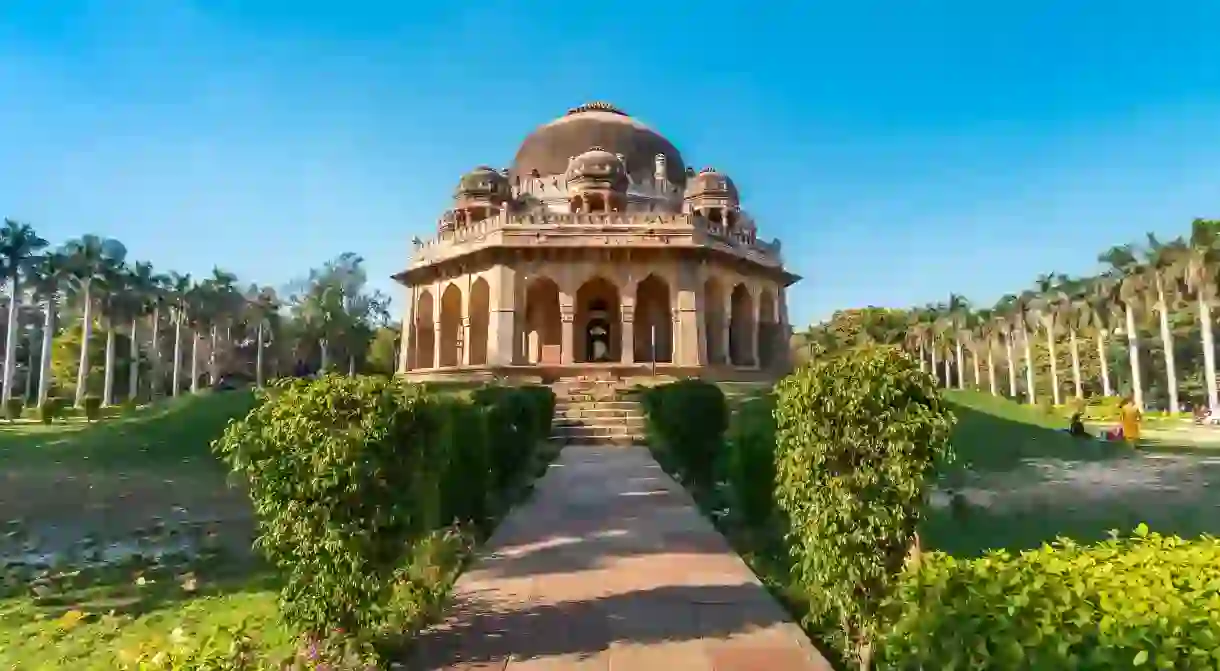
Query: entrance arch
[542, 323]
[480, 316]
[741, 328]
[713, 321]
[451, 326]
[653, 321]
[597, 331]
[425, 335]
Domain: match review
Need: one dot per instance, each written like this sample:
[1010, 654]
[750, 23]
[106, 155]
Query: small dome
[448, 222]
[711, 184]
[598, 165]
[483, 183]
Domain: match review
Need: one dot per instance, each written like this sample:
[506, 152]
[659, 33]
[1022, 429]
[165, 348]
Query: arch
[741, 327]
[713, 321]
[597, 330]
[450, 345]
[768, 329]
[425, 335]
[480, 317]
[542, 321]
[653, 321]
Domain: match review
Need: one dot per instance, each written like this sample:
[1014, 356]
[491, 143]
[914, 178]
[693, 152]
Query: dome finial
[597, 106]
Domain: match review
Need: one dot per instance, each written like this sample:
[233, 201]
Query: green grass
[1025, 482]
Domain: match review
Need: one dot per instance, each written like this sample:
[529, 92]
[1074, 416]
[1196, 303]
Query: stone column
[465, 356]
[690, 345]
[567, 346]
[627, 336]
[783, 349]
[727, 328]
[436, 344]
[406, 354]
[754, 360]
[501, 324]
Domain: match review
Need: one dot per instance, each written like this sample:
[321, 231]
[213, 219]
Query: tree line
[1140, 327]
[83, 319]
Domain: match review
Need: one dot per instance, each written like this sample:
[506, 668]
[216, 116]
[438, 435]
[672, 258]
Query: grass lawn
[1020, 481]
[141, 511]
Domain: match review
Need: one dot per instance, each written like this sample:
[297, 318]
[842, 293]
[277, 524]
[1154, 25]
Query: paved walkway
[610, 566]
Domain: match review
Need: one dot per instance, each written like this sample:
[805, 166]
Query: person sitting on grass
[1076, 426]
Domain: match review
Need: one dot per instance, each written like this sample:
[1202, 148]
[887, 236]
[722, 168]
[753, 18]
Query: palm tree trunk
[133, 369]
[1105, 365]
[1012, 369]
[325, 358]
[923, 365]
[1133, 351]
[1209, 356]
[10, 339]
[108, 374]
[29, 373]
[82, 371]
[974, 359]
[154, 365]
[177, 375]
[961, 368]
[1050, 348]
[935, 365]
[991, 370]
[351, 366]
[258, 357]
[948, 371]
[194, 361]
[213, 338]
[48, 333]
[1171, 376]
[1075, 362]
[1030, 395]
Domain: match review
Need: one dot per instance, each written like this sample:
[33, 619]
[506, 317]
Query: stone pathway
[610, 566]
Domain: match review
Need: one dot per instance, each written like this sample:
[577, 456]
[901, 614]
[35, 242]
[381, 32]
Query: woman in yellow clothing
[1130, 420]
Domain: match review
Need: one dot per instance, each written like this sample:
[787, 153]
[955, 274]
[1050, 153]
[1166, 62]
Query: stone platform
[610, 566]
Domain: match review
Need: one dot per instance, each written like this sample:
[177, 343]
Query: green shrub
[50, 409]
[338, 472]
[750, 461]
[517, 419]
[858, 437]
[92, 408]
[689, 418]
[1150, 601]
[13, 408]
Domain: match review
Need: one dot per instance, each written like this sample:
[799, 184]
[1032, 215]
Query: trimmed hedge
[1149, 601]
[750, 459]
[689, 418]
[858, 438]
[349, 476]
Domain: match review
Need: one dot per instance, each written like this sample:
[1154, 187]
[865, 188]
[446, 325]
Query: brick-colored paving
[610, 566]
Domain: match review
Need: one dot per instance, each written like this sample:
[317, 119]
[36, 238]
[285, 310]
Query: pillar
[567, 318]
[757, 303]
[727, 327]
[464, 359]
[690, 345]
[783, 350]
[406, 355]
[627, 336]
[436, 344]
[502, 340]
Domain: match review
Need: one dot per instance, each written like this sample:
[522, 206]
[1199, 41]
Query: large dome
[549, 148]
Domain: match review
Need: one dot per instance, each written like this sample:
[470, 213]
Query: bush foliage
[349, 476]
[13, 408]
[1148, 601]
[857, 439]
[750, 459]
[50, 410]
[92, 407]
[689, 418]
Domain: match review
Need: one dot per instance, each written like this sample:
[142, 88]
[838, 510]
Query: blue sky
[899, 152]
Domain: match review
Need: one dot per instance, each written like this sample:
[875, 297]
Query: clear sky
[901, 150]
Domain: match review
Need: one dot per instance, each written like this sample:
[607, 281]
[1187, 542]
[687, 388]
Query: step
[564, 405]
[598, 413]
[618, 441]
[580, 431]
[635, 423]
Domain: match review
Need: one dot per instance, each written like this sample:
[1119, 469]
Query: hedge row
[1149, 601]
[350, 476]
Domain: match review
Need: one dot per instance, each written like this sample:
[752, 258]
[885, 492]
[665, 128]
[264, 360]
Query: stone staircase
[596, 411]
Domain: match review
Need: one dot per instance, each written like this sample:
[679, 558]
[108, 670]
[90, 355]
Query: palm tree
[47, 279]
[1067, 312]
[262, 306]
[90, 259]
[198, 306]
[1023, 317]
[223, 302]
[1159, 261]
[1197, 267]
[1093, 314]
[989, 326]
[959, 316]
[115, 306]
[180, 295]
[1045, 317]
[158, 296]
[1122, 285]
[141, 282]
[18, 244]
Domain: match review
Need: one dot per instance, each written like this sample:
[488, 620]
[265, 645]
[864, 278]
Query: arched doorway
[653, 321]
[542, 324]
[480, 316]
[713, 320]
[451, 326]
[597, 330]
[768, 329]
[425, 336]
[741, 328]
